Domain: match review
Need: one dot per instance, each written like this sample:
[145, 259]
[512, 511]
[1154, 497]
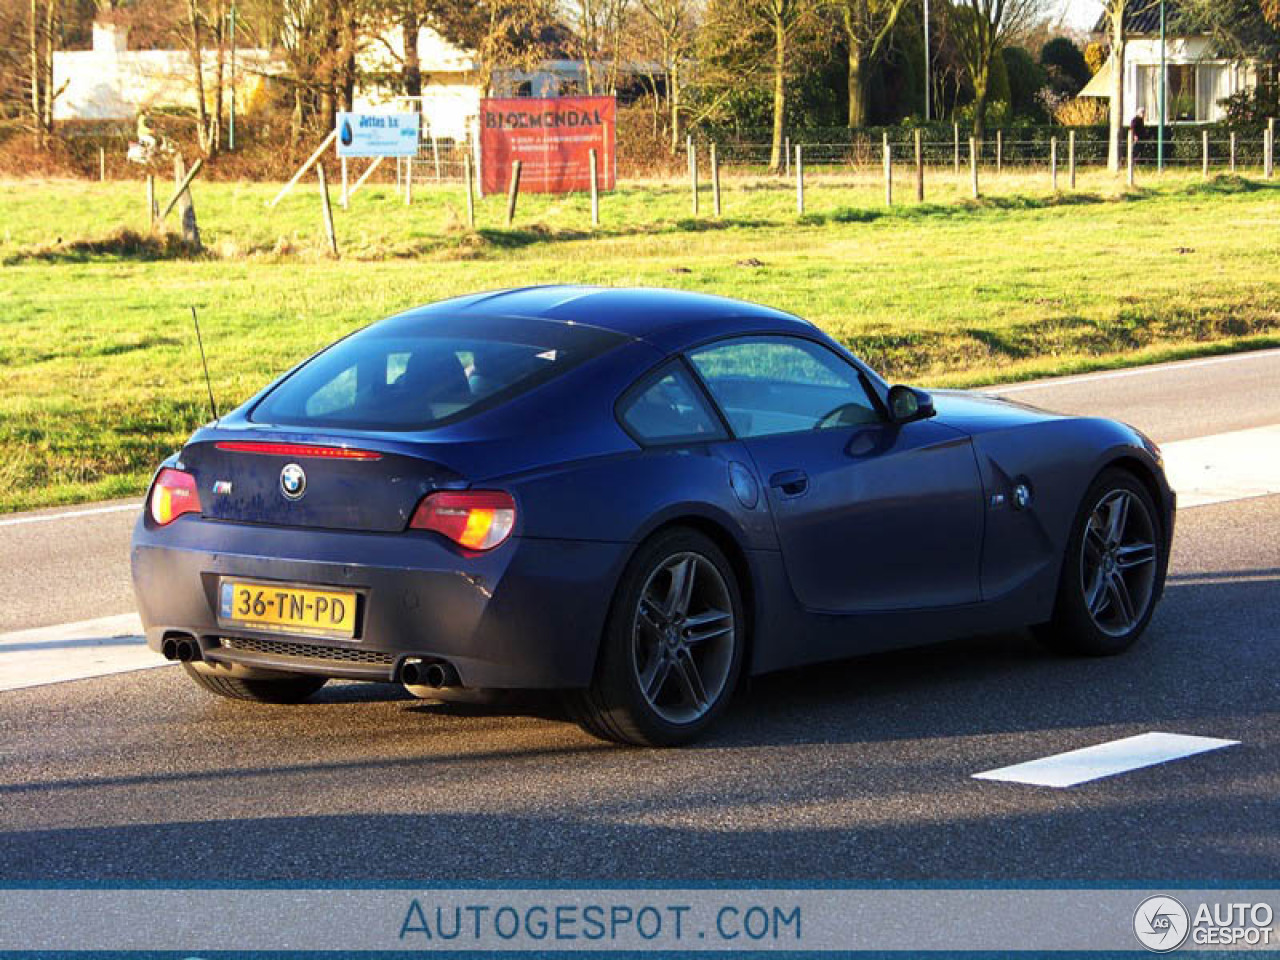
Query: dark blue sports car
[638, 497]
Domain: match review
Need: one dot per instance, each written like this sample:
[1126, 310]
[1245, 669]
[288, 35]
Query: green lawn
[99, 373]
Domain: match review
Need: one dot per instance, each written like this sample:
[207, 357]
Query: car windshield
[411, 376]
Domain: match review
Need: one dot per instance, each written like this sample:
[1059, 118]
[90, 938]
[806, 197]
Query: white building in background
[1199, 78]
[452, 83]
[112, 82]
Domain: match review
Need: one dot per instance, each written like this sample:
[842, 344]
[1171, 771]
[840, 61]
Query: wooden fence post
[408, 181]
[799, 180]
[1271, 148]
[1129, 159]
[324, 145]
[182, 197]
[344, 198]
[1071, 157]
[919, 167]
[715, 180]
[999, 152]
[973, 165]
[1204, 163]
[595, 188]
[471, 197]
[513, 191]
[1233, 152]
[956, 134]
[692, 155]
[786, 154]
[888, 172]
[102, 164]
[152, 211]
[1053, 162]
[327, 209]
[360, 181]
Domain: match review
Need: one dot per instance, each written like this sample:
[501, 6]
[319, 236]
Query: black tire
[296, 688]
[1074, 629]
[614, 707]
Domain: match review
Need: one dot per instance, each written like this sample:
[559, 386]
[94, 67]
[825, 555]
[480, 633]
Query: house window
[1193, 94]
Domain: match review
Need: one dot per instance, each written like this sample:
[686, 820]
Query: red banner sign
[552, 138]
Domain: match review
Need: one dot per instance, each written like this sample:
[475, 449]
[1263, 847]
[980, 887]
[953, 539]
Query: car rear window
[401, 375]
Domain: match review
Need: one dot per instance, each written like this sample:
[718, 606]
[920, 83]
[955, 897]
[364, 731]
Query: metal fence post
[1053, 162]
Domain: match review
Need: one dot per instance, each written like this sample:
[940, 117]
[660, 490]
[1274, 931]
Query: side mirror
[907, 404]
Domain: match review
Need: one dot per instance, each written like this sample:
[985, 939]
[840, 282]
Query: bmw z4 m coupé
[638, 497]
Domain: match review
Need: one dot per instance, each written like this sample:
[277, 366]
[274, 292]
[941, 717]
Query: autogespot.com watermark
[506, 920]
[426, 923]
[1162, 924]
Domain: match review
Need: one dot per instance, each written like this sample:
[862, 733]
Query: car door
[870, 515]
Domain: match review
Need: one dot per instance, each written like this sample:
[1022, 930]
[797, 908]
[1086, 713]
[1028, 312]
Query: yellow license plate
[284, 609]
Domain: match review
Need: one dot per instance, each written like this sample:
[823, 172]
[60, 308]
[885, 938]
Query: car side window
[668, 408]
[770, 385]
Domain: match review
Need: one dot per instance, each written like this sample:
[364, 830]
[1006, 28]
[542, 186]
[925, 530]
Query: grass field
[99, 374]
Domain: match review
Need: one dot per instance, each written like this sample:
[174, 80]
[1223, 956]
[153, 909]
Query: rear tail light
[173, 494]
[475, 519]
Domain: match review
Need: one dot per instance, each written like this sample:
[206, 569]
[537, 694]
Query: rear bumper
[528, 615]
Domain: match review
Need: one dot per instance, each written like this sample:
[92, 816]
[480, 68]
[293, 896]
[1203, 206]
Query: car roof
[639, 312]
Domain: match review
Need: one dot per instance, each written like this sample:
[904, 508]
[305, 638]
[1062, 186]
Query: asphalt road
[855, 771]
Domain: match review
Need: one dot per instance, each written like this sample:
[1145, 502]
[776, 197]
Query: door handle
[792, 483]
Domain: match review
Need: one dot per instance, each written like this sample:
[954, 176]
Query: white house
[112, 82]
[1199, 79]
[452, 82]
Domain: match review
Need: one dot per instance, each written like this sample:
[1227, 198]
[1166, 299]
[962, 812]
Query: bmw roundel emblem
[293, 481]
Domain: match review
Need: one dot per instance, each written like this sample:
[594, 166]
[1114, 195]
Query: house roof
[1142, 17]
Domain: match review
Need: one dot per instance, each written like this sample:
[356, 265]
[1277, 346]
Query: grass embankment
[99, 377]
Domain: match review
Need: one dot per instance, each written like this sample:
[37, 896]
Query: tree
[981, 29]
[1025, 80]
[597, 27]
[866, 26]
[767, 33]
[671, 23]
[1117, 14]
[1068, 72]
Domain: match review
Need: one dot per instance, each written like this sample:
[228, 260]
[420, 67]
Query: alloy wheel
[1118, 562]
[683, 638]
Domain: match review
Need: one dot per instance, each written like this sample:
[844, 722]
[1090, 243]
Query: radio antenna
[205, 363]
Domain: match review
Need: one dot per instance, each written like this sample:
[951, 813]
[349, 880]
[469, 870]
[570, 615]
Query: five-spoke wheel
[1113, 570]
[672, 649]
[683, 637]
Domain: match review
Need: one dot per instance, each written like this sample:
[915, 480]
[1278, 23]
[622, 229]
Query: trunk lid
[339, 482]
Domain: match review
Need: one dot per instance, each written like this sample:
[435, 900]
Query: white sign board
[378, 134]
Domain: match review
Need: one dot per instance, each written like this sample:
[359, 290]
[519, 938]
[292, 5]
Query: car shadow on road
[993, 684]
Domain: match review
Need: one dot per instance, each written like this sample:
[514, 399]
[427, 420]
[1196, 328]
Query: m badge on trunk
[293, 482]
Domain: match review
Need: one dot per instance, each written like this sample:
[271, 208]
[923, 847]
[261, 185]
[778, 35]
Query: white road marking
[71, 514]
[1224, 467]
[1131, 372]
[74, 651]
[1105, 760]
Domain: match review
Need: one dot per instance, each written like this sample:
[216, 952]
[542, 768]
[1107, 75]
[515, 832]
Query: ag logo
[1161, 924]
[293, 482]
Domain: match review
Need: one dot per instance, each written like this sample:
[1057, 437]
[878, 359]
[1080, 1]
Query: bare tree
[764, 36]
[596, 26]
[1118, 13]
[981, 29]
[867, 26]
[42, 25]
[671, 22]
